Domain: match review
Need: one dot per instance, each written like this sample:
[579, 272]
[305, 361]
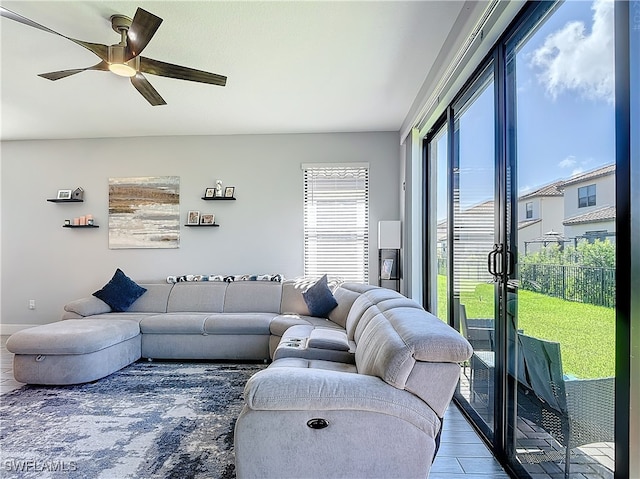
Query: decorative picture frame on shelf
[229, 191]
[387, 267]
[207, 218]
[210, 193]
[64, 195]
[193, 217]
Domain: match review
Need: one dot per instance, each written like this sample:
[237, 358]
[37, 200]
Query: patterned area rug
[151, 419]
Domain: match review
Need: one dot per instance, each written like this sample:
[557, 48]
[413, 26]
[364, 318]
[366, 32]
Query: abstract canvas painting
[144, 212]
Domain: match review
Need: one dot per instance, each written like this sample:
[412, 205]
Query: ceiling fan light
[122, 69]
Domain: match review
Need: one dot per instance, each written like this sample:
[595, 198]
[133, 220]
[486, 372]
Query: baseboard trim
[7, 329]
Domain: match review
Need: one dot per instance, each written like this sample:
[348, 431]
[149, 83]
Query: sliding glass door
[473, 227]
[523, 244]
[560, 72]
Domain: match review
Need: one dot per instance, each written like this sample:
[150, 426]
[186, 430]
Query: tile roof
[607, 213]
[525, 223]
[589, 175]
[552, 189]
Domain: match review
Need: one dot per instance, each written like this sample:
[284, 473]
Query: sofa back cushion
[369, 296]
[155, 300]
[381, 307]
[394, 340]
[207, 297]
[345, 298]
[292, 299]
[253, 297]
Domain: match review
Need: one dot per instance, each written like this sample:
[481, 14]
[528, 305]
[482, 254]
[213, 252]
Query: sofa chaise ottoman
[74, 351]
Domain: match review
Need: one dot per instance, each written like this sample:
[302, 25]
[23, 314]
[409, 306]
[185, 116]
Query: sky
[566, 122]
[565, 109]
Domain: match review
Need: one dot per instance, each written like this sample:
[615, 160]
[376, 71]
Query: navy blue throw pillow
[319, 298]
[121, 292]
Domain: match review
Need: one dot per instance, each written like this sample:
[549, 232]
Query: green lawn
[586, 333]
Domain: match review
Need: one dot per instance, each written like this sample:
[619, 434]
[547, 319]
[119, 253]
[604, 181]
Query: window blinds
[336, 221]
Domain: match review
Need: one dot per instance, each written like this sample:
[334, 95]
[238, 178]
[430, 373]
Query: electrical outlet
[32, 304]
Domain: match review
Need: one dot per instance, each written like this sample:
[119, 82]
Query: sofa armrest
[87, 306]
[292, 388]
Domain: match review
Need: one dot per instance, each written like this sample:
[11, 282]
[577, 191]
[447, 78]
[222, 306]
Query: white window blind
[336, 221]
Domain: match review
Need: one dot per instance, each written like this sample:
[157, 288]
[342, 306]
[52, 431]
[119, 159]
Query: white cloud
[574, 59]
[568, 162]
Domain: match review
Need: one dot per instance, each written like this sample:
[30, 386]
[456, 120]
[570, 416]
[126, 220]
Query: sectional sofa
[360, 392]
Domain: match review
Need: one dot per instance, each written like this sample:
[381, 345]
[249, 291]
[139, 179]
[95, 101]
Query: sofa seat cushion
[292, 387]
[239, 323]
[207, 323]
[136, 317]
[72, 336]
[282, 322]
[304, 363]
[174, 323]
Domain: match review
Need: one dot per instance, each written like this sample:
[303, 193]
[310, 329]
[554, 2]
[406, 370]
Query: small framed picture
[193, 218]
[64, 194]
[229, 191]
[209, 192]
[207, 218]
[387, 267]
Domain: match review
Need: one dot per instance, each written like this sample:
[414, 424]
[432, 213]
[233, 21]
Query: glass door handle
[510, 262]
[492, 261]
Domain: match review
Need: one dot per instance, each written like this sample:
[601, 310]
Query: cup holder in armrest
[297, 343]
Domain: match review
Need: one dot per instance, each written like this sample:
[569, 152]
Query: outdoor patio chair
[574, 412]
[478, 331]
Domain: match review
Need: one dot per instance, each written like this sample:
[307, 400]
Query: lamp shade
[389, 235]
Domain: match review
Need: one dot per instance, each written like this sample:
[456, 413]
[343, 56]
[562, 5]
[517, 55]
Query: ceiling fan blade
[66, 73]
[19, 18]
[97, 48]
[146, 90]
[142, 29]
[156, 67]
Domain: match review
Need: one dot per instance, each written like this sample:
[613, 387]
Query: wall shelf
[71, 200]
[80, 226]
[218, 198]
[391, 279]
[209, 226]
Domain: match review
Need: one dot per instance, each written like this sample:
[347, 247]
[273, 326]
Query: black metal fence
[574, 283]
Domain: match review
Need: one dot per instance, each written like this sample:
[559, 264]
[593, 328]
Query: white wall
[581, 229]
[261, 232]
[552, 214]
[605, 195]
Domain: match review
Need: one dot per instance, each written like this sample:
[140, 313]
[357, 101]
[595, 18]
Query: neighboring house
[590, 205]
[567, 211]
[540, 215]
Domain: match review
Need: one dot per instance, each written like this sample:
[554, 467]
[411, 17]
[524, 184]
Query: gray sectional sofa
[360, 393]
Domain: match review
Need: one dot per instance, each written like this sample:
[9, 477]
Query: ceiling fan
[124, 58]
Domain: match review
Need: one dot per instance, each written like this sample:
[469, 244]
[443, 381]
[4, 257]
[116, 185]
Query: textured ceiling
[292, 67]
